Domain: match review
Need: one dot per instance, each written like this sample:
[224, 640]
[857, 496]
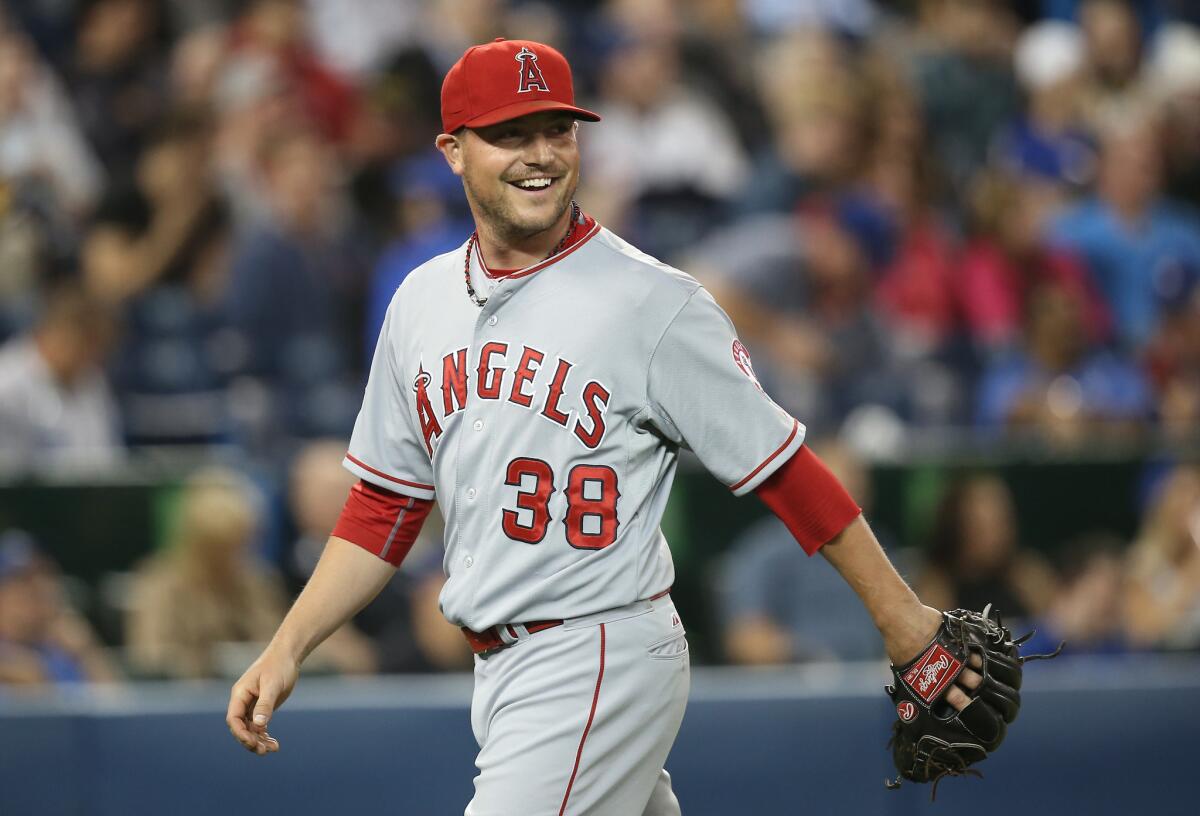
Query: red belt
[491, 640]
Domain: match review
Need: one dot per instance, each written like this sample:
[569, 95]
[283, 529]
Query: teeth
[533, 183]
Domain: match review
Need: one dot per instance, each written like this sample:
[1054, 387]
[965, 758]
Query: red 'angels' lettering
[454, 381]
[488, 382]
[523, 374]
[550, 409]
[430, 429]
[526, 386]
[595, 399]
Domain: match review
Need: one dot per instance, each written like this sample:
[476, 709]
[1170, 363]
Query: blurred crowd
[203, 604]
[1098, 593]
[921, 214]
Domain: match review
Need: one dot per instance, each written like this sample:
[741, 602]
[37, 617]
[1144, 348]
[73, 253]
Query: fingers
[264, 708]
[254, 739]
[240, 700]
[957, 698]
[967, 680]
[266, 744]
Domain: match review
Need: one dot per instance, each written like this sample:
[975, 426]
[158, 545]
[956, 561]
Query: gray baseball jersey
[548, 423]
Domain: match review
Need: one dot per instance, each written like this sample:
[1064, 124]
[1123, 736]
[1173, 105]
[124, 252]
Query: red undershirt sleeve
[809, 500]
[382, 522]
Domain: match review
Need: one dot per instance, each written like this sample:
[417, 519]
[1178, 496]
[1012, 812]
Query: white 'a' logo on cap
[530, 75]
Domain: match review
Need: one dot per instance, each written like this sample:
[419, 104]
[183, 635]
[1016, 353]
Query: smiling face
[519, 175]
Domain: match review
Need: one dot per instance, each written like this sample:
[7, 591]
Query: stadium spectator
[1116, 87]
[1128, 233]
[403, 623]
[117, 78]
[431, 221]
[160, 249]
[1163, 600]
[1006, 259]
[635, 167]
[1086, 612]
[975, 555]
[818, 114]
[302, 351]
[962, 67]
[1049, 140]
[915, 285]
[43, 154]
[1056, 384]
[276, 31]
[1175, 78]
[206, 600]
[197, 61]
[776, 606]
[1173, 355]
[149, 229]
[56, 406]
[205, 588]
[799, 291]
[357, 37]
[43, 639]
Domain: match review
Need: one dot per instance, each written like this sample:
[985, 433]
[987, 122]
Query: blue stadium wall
[1094, 737]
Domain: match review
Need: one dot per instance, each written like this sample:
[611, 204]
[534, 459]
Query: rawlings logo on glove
[934, 670]
[930, 738]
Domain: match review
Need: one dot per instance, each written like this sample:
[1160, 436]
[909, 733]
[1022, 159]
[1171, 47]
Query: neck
[55, 357]
[516, 252]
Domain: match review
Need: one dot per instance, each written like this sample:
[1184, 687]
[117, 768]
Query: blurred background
[961, 239]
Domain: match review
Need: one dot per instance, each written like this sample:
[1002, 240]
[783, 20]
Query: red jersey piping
[591, 233]
[591, 716]
[771, 458]
[383, 475]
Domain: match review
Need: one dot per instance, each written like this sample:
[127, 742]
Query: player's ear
[451, 147]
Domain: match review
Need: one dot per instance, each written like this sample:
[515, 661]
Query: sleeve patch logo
[932, 672]
[741, 358]
[906, 711]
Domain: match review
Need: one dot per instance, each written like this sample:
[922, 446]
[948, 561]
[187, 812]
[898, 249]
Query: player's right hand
[255, 696]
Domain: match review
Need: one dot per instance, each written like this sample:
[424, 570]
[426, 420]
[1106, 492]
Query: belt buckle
[506, 637]
[484, 655]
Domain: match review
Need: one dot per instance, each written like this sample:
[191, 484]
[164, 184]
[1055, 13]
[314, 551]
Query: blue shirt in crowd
[1129, 264]
[1108, 387]
[400, 258]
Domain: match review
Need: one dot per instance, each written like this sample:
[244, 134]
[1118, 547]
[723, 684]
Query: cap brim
[524, 108]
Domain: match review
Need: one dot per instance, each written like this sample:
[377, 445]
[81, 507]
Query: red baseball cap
[505, 79]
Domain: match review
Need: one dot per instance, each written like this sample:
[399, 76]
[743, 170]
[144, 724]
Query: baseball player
[539, 382]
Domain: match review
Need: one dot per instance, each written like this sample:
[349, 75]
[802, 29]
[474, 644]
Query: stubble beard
[503, 221]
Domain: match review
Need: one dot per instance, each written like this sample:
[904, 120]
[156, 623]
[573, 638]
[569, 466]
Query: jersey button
[493, 320]
[468, 561]
[471, 494]
[478, 425]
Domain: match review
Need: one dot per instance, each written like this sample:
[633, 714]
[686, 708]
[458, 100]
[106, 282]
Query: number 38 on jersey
[591, 507]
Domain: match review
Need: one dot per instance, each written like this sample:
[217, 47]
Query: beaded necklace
[474, 239]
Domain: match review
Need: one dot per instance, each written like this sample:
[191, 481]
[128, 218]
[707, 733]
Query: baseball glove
[930, 738]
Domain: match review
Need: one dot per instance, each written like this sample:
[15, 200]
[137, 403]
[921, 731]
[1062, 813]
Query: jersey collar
[581, 232]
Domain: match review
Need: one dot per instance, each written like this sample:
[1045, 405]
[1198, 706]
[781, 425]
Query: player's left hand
[949, 716]
[911, 634]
